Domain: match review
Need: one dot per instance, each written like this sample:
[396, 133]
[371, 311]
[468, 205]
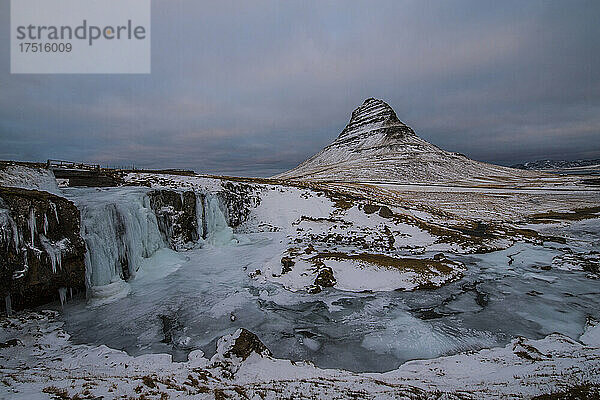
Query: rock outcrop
[41, 250]
[238, 199]
[176, 216]
[240, 344]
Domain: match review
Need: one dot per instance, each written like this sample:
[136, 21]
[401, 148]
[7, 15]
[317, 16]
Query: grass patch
[577, 214]
[578, 392]
[403, 264]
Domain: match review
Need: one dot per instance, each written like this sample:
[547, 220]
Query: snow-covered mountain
[558, 164]
[377, 146]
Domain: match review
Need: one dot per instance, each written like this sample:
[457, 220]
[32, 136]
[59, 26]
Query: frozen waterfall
[121, 230]
[217, 230]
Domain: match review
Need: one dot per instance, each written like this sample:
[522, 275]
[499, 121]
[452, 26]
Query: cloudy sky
[255, 87]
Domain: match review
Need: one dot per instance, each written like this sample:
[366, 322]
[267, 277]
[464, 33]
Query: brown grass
[577, 214]
[381, 260]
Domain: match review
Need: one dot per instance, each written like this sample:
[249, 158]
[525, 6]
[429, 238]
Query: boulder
[240, 344]
[325, 278]
[287, 263]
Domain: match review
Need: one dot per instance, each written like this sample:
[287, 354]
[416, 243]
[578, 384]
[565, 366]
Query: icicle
[54, 251]
[53, 207]
[8, 305]
[21, 273]
[62, 293]
[71, 293]
[9, 229]
[45, 224]
[32, 225]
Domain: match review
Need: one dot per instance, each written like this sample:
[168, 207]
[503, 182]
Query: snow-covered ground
[28, 178]
[395, 293]
[38, 361]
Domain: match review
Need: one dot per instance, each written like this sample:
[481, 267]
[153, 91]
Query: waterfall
[216, 229]
[120, 230]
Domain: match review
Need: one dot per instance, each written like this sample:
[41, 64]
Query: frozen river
[181, 301]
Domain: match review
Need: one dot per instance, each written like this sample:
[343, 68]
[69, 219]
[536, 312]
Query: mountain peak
[372, 115]
[377, 146]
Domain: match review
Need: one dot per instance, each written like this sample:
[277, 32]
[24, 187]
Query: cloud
[255, 88]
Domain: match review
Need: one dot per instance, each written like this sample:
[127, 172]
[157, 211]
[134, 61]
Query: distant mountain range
[377, 146]
[558, 164]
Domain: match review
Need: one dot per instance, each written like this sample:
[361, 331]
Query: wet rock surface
[176, 215]
[40, 247]
[239, 199]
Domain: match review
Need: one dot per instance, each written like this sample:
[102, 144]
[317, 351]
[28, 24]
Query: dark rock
[325, 278]
[370, 209]
[287, 264]
[481, 299]
[439, 257]
[429, 313]
[239, 199]
[385, 212]
[170, 327]
[314, 289]
[36, 264]
[555, 239]
[533, 293]
[591, 265]
[255, 273]
[10, 343]
[176, 216]
[90, 178]
[245, 344]
[479, 230]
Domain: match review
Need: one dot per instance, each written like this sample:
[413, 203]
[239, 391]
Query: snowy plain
[527, 303]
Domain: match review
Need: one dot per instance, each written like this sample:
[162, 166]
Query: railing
[70, 164]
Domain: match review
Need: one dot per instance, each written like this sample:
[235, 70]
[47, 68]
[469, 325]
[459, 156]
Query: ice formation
[217, 230]
[62, 294]
[8, 228]
[54, 251]
[53, 207]
[121, 230]
[8, 305]
[32, 225]
[21, 273]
